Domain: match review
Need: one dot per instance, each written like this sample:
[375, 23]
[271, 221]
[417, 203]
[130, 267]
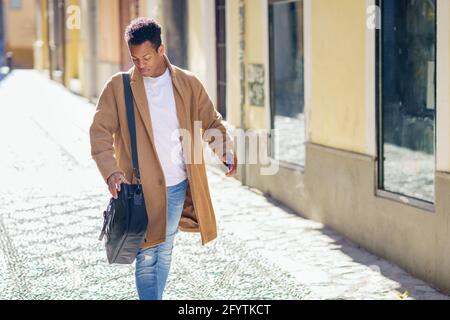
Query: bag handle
[131, 124]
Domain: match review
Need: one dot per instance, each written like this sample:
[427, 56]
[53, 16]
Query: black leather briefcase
[125, 224]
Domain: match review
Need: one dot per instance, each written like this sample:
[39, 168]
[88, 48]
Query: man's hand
[114, 182]
[232, 165]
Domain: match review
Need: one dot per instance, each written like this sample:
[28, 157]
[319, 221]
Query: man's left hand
[232, 170]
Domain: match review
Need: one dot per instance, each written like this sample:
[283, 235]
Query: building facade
[18, 31]
[80, 42]
[352, 99]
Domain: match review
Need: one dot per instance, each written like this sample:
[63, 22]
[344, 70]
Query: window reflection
[408, 64]
[287, 101]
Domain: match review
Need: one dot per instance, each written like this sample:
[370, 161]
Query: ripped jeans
[153, 264]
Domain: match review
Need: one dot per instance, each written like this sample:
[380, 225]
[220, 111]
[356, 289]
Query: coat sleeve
[105, 125]
[211, 119]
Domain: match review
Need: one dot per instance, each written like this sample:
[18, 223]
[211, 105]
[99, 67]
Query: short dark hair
[143, 29]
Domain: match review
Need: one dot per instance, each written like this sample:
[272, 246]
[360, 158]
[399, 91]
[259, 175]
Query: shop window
[406, 73]
[287, 81]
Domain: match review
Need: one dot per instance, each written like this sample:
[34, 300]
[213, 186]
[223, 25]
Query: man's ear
[161, 49]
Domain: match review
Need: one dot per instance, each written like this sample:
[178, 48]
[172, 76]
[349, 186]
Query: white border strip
[228, 40]
[442, 87]
[370, 65]
[266, 45]
[307, 62]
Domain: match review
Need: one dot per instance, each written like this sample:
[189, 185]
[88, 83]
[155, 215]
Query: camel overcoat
[111, 149]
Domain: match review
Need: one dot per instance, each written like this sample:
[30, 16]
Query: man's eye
[147, 58]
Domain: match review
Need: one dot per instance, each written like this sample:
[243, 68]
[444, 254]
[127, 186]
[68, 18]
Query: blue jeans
[153, 264]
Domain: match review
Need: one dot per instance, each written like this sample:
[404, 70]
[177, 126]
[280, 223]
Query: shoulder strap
[131, 123]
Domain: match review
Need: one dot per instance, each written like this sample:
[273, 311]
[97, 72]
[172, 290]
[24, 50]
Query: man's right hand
[114, 182]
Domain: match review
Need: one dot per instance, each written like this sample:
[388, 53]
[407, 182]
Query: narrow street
[51, 214]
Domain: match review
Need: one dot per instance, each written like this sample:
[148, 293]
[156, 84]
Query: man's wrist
[114, 174]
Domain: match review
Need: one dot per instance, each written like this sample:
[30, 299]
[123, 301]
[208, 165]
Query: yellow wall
[196, 54]
[338, 74]
[338, 70]
[256, 31]
[73, 53]
[41, 59]
[108, 31]
[20, 33]
[202, 44]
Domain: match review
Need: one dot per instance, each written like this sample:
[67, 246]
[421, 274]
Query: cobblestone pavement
[50, 218]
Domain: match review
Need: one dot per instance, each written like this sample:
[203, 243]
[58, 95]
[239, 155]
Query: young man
[169, 102]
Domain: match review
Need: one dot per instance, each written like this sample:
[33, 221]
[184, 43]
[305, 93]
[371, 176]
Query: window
[406, 55]
[287, 80]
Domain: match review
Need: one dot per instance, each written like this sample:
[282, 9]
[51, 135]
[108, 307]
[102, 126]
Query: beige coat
[111, 150]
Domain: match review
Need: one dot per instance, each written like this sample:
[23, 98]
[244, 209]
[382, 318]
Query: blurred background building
[356, 91]
[18, 31]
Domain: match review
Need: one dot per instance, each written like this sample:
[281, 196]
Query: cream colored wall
[154, 10]
[143, 9]
[20, 34]
[88, 45]
[20, 25]
[442, 88]
[109, 41]
[202, 44]
[338, 117]
[108, 31]
[41, 60]
[196, 56]
[446, 112]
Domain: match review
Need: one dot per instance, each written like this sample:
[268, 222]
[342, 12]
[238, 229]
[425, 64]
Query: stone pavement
[51, 214]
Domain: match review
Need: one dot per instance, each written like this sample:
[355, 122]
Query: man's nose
[139, 64]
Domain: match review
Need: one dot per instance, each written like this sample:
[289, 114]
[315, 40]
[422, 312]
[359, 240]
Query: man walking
[174, 115]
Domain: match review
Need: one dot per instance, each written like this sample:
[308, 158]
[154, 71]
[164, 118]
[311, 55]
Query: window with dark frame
[287, 81]
[406, 97]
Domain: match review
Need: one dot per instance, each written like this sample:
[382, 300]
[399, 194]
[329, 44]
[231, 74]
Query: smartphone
[230, 160]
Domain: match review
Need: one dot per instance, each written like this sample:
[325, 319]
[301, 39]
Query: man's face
[148, 61]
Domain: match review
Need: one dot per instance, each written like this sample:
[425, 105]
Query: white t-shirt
[161, 102]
